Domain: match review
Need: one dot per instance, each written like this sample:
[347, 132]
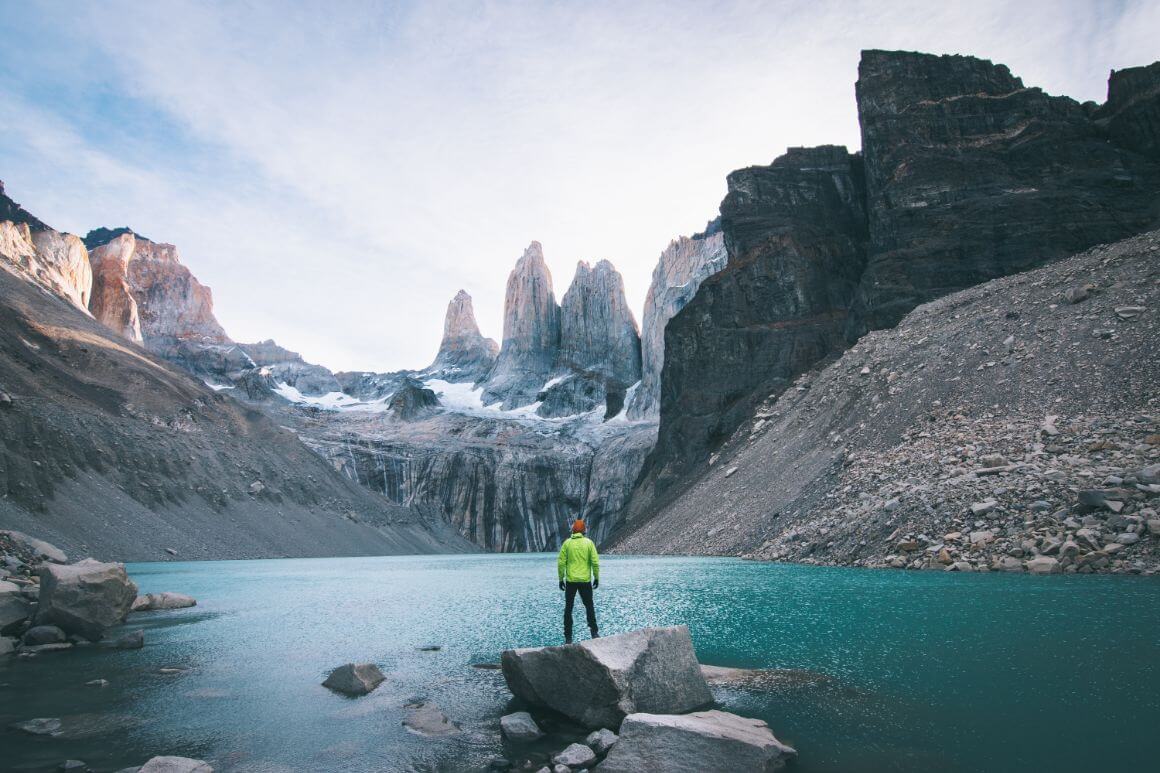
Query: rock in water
[42, 634]
[601, 740]
[703, 742]
[520, 727]
[85, 598]
[165, 600]
[355, 678]
[175, 765]
[576, 756]
[426, 719]
[464, 354]
[14, 610]
[653, 669]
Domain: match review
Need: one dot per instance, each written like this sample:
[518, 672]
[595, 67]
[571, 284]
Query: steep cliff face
[56, 261]
[508, 483]
[1132, 112]
[599, 354]
[795, 232]
[112, 302]
[684, 264]
[967, 175]
[142, 291]
[464, 353]
[970, 176]
[531, 334]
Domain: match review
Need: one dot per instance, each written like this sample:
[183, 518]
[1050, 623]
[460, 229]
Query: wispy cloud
[337, 171]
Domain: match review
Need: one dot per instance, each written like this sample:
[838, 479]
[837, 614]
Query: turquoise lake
[907, 671]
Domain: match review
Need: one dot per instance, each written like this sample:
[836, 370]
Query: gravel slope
[877, 458]
[106, 450]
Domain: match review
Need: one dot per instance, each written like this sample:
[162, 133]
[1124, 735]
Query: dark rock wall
[967, 175]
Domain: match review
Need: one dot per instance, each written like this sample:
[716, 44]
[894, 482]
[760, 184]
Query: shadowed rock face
[597, 329]
[971, 176]
[967, 176]
[794, 231]
[1132, 112]
[464, 353]
[531, 334]
[682, 267]
[599, 355]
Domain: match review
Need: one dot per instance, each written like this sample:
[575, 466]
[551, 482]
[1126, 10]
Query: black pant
[585, 589]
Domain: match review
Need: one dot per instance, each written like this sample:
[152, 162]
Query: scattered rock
[520, 727]
[984, 507]
[652, 669]
[1043, 565]
[601, 740]
[354, 678]
[171, 551]
[706, 741]
[39, 549]
[577, 755]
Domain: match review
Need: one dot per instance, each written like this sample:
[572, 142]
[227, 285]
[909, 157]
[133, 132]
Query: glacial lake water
[906, 671]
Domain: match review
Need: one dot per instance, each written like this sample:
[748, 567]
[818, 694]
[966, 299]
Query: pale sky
[337, 171]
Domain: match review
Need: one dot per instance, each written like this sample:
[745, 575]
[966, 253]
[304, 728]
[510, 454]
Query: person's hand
[595, 584]
[563, 586]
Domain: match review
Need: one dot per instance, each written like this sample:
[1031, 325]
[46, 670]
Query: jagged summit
[531, 333]
[102, 235]
[464, 353]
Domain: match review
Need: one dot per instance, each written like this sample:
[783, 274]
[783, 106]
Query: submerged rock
[653, 669]
[703, 742]
[520, 727]
[165, 600]
[85, 598]
[576, 755]
[39, 726]
[355, 678]
[426, 719]
[175, 765]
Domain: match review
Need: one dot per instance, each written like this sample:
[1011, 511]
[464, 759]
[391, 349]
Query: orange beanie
[578, 526]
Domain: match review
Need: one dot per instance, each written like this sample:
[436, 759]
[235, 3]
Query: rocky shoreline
[49, 605]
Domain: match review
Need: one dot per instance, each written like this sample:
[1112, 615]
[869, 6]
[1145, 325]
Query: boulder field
[645, 684]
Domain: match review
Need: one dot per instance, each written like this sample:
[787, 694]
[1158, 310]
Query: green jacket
[579, 561]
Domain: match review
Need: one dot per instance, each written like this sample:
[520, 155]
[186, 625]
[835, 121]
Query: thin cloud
[337, 172]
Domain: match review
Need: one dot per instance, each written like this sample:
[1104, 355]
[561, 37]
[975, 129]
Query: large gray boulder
[703, 742]
[14, 610]
[600, 681]
[520, 726]
[165, 600]
[175, 765]
[85, 598]
[355, 678]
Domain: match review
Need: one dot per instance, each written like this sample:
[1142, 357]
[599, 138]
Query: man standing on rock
[579, 570]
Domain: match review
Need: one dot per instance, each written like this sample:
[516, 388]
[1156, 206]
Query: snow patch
[331, 401]
[219, 387]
